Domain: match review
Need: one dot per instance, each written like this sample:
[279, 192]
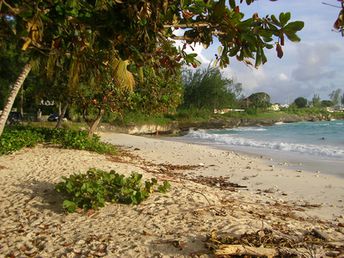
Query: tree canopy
[139, 30]
[335, 96]
[258, 100]
[301, 102]
[208, 89]
[82, 39]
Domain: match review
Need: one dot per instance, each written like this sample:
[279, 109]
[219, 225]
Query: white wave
[279, 123]
[248, 129]
[324, 151]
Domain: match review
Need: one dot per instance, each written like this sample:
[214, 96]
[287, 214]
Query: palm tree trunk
[22, 102]
[13, 94]
[61, 115]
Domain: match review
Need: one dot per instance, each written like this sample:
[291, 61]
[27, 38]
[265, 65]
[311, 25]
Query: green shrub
[93, 189]
[79, 140]
[251, 111]
[14, 140]
[193, 114]
[19, 137]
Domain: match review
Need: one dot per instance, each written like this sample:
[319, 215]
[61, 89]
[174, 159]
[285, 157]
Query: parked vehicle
[53, 117]
[14, 118]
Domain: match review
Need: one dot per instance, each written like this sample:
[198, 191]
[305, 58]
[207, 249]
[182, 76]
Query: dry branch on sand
[271, 243]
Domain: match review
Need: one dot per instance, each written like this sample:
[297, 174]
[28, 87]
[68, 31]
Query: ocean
[312, 145]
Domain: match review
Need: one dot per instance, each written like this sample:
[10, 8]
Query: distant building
[47, 102]
[284, 105]
[339, 109]
[330, 109]
[226, 110]
[275, 107]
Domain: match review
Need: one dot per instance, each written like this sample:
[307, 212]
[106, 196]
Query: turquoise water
[304, 141]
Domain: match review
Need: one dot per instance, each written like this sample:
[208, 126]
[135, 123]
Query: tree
[86, 34]
[300, 102]
[207, 89]
[94, 102]
[326, 103]
[316, 102]
[335, 96]
[158, 92]
[10, 61]
[236, 89]
[258, 100]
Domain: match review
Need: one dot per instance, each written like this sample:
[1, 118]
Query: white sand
[32, 222]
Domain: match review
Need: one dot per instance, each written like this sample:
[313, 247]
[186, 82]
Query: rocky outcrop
[180, 127]
[171, 128]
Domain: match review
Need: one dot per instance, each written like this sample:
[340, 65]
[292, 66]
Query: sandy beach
[272, 197]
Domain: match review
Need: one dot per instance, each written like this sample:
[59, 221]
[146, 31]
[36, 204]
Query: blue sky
[313, 66]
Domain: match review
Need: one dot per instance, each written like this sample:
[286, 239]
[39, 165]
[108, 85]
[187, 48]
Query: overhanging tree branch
[190, 25]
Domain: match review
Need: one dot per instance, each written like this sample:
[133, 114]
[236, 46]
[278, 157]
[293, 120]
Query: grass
[192, 115]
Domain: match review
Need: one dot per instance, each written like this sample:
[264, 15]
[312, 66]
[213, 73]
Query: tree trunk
[94, 124]
[22, 102]
[61, 115]
[60, 108]
[13, 94]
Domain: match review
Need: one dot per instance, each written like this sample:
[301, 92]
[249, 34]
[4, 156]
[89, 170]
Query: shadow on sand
[43, 196]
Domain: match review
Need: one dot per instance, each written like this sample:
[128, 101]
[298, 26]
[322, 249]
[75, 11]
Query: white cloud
[283, 77]
[314, 66]
[313, 61]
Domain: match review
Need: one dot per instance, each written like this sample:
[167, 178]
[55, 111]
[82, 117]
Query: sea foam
[235, 140]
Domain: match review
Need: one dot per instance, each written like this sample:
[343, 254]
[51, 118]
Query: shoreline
[293, 161]
[180, 128]
[258, 173]
[175, 224]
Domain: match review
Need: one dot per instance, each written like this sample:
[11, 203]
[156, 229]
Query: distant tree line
[336, 99]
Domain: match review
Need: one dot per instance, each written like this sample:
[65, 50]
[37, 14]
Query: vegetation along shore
[77, 78]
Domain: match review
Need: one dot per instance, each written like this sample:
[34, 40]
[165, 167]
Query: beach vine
[93, 189]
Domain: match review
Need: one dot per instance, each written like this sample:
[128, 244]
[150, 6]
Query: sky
[313, 66]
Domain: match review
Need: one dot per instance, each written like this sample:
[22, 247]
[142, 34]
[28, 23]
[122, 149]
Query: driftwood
[224, 250]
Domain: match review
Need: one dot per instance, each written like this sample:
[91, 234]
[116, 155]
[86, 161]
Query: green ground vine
[93, 189]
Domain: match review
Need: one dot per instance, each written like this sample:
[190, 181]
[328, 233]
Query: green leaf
[232, 4]
[269, 46]
[284, 18]
[294, 26]
[69, 187]
[265, 33]
[275, 21]
[258, 59]
[70, 206]
[219, 50]
[293, 37]
[166, 186]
